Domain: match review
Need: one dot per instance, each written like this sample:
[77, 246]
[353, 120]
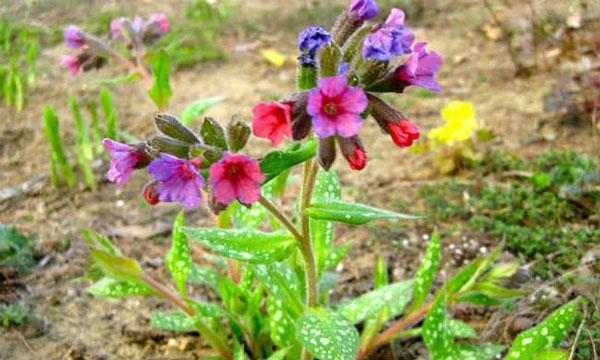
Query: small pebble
[120, 203]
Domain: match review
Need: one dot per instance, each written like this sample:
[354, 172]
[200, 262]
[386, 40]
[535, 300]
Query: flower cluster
[355, 61]
[183, 164]
[93, 52]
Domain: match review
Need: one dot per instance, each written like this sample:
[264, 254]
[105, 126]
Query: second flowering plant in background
[271, 269]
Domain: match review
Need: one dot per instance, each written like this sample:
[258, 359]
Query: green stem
[283, 219]
[213, 339]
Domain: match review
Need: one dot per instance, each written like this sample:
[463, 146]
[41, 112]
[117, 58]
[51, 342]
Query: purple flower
[312, 38]
[236, 176]
[115, 28]
[74, 38]
[138, 24]
[395, 19]
[420, 68]
[161, 20]
[124, 159]
[364, 9]
[178, 180]
[335, 107]
[387, 43]
[72, 63]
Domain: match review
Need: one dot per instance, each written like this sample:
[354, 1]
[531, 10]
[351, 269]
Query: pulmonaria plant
[274, 284]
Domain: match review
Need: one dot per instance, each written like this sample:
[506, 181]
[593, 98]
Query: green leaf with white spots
[93, 238]
[337, 255]
[281, 322]
[327, 187]
[283, 284]
[112, 288]
[207, 309]
[178, 260]
[436, 331]
[279, 355]
[203, 275]
[552, 354]
[278, 161]
[460, 329]
[474, 352]
[118, 267]
[175, 321]
[548, 334]
[352, 213]
[327, 335]
[247, 245]
[396, 296]
[253, 216]
[426, 273]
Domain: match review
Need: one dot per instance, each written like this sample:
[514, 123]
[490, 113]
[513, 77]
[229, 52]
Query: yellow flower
[460, 123]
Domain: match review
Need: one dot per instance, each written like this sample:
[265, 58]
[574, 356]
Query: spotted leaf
[548, 334]
[175, 321]
[112, 288]
[327, 187]
[436, 331]
[351, 213]
[178, 260]
[327, 335]
[246, 245]
[396, 296]
[426, 272]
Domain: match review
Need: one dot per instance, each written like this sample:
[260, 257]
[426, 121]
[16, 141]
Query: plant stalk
[213, 339]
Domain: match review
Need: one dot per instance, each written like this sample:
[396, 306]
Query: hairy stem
[283, 219]
[213, 339]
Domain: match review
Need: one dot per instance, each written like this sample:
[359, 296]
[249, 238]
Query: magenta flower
[161, 20]
[178, 180]
[386, 43]
[72, 63]
[335, 107]
[74, 38]
[124, 159]
[395, 19]
[420, 68]
[236, 176]
[115, 28]
[364, 9]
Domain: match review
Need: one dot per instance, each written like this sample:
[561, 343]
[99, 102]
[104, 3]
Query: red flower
[404, 133]
[354, 152]
[236, 176]
[272, 121]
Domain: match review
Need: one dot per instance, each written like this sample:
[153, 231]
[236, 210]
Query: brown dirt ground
[72, 324]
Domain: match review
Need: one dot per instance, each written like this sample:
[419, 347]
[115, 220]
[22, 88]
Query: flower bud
[212, 133]
[330, 56]
[354, 43]
[393, 122]
[169, 125]
[354, 152]
[150, 195]
[170, 146]
[326, 152]
[301, 120]
[238, 133]
[215, 206]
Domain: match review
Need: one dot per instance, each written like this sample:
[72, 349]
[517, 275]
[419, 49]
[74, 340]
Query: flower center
[330, 108]
[186, 172]
[234, 171]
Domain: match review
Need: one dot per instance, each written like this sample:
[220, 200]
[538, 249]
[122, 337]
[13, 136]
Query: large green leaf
[396, 296]
[327, 187]
[118, 267]
[160, 92]
[246, 245]
[278, 161]
[178, 260]
[327, 335]
[112, 288]
[548, 334]
[426, 273]
[198, 108]
[474, 352]
[436, 331]
[203, 275]
[282, 284]
[351, 213]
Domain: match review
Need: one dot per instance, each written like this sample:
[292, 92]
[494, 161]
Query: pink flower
[272, 121]
[178, 180]
[115, 28]
[404, 133]
[236, 176]
[161, 20]
[74, 38]
[335, 107]
[124, 159]
[395, 19]
[72, 63]
[420, 68]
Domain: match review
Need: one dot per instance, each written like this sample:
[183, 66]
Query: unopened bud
[354, 152]
[212, 133]
[150, 195]
[330, 56]
[238, 133]
[170, 146]
[215, 206]
[301, 120]
[171, 127]
[326, 152]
